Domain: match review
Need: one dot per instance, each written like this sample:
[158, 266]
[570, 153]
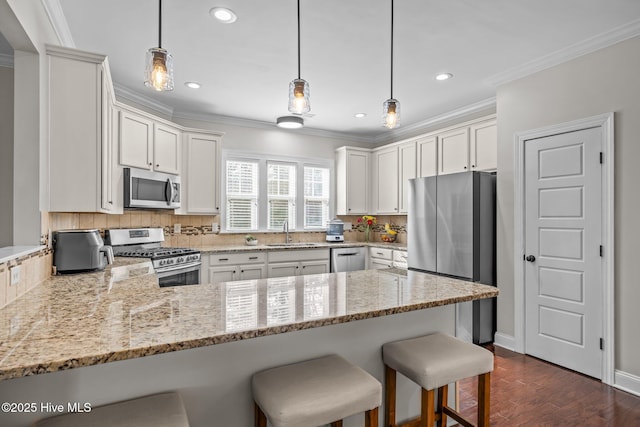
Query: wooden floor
[526, 391]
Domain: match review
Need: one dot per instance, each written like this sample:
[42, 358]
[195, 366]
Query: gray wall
[601, 82]
[6, 156]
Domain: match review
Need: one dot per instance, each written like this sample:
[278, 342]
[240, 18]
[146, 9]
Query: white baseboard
[504, 341]
[627, 382]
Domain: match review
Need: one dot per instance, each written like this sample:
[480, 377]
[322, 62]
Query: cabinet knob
[297, 267]
[465, 167]
[150, 164]
[241, 271]
[349, 209]
[110, 202]
[234, 272]
[473, 166]
[303, 266]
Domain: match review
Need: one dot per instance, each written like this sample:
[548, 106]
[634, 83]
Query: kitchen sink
[284, 245]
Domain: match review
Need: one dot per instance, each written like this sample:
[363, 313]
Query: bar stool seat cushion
[159, 410]
[315, 392]
[435, 360]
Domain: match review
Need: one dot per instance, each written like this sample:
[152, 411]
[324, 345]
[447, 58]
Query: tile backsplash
[34, 268]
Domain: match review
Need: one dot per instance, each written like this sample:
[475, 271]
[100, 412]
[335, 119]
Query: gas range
[172, 265]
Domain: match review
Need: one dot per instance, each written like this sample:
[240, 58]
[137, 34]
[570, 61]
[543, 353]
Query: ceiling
[245, 67]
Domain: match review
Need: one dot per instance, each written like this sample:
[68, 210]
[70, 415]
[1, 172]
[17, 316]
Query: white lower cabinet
[227, 267]
[297, 262]
[380, 258]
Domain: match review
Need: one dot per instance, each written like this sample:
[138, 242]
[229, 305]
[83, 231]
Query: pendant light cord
[160, 24]
[391, 49]
[298, 39]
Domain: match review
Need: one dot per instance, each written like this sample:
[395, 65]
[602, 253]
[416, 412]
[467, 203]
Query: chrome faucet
[285, 229]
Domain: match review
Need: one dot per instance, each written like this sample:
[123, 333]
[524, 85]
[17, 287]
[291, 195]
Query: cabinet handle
[110, 202]
[223, 259]
[253, 257]
[379, 253]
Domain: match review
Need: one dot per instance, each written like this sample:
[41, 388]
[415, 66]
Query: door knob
[530, 258]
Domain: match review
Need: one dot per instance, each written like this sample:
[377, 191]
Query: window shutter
[316, 197]
[242, 196]
[281, 193]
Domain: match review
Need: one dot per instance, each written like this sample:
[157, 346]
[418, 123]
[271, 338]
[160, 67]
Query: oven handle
[189, 266]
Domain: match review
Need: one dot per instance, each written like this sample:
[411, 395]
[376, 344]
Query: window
[242, 195]
[281, 194]
[316, 197]
[264, 191]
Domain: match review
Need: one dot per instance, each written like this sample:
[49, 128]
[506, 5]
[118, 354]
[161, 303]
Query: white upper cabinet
[386, 173]
[428, 156]
[352, 181]
[166, 149]
[408, 170]
[81, 167]
[483, 151]
[453, 150]
[393, 166]
[201, 171]
[147, 144]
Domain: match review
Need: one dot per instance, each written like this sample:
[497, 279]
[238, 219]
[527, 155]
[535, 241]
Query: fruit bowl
[389, 238]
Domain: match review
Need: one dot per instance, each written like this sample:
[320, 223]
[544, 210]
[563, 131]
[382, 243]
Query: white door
[563, 264]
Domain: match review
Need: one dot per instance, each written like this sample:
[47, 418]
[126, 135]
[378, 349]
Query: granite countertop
[121, 313]
[293, 246]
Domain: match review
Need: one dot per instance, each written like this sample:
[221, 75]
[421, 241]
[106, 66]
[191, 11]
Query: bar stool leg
[484, 394]
[442, 402]
[428, 410]
[389, 397]
[371, 418]
[259, 417]
[336, 423]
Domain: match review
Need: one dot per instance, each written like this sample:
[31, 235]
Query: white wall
[276, 140]
[6, 156]
[601, 82]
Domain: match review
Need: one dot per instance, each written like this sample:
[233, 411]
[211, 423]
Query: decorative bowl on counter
[389, 238]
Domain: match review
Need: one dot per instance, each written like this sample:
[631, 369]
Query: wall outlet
[177, 228]
[215, 227]
[347, 226]
[15, 275]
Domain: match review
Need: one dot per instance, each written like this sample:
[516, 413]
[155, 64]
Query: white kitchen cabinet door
[408, 170]
[252, 271]
[225, 273]
[167, 149]
[352, 181]
[453, 150]
[484, 146]
[136, 140]
[201, 174]
[428, 156]
[283, 269]
[314, 267]
[386, 173]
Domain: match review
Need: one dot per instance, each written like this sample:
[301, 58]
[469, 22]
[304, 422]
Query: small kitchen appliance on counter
[174, 266]
[76, 251]
[335, 230]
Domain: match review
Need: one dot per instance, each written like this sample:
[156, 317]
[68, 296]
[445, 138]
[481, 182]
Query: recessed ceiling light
[224, 15]
[444, 76]
[192, 85]
[360, 115]
[290, 122]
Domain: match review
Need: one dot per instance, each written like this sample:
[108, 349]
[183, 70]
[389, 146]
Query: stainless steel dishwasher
[348, 259]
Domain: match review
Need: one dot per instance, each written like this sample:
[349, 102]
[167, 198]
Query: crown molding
[592, 44]
[258, 124]
[123, 92]
[58, 22]
[6, 60]
[425, 125]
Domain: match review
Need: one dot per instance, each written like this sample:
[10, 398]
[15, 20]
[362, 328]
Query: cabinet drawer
[237, 258]
[298, 255]
[381, 253]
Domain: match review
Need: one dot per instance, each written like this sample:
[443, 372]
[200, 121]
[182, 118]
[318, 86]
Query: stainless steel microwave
[151, 190]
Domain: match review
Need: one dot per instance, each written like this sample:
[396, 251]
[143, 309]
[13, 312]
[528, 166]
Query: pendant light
[391, 107]
[159, 71]
[298, 88]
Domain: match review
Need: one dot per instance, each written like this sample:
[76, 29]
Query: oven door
[188, 274]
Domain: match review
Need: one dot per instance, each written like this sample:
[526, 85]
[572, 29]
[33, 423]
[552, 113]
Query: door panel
[563, 223]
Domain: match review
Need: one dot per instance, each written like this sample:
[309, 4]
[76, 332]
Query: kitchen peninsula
[70, 327]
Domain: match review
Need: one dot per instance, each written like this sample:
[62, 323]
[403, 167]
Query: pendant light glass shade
[391, 113]
[299, 96]
[159, 71]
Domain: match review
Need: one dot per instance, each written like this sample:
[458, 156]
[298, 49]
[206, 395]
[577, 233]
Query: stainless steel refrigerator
[451, 226]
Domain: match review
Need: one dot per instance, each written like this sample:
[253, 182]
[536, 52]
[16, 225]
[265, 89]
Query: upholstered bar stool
[432, 362]
[158, 410]
[315, 392]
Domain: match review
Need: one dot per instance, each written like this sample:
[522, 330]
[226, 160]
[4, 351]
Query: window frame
[262, 159]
